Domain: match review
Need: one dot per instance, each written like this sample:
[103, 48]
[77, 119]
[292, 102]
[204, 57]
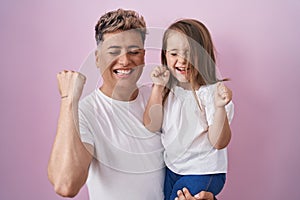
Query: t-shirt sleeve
[210, 106]
[84, 129]
[230, 111]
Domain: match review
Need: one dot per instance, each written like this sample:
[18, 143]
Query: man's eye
[114, 53]
[134, 52]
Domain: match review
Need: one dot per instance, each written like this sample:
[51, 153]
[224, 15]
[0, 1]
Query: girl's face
[177, 55]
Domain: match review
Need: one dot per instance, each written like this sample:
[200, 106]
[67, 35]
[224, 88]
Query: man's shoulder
[88, 100]
[145, 91]
[145, 88]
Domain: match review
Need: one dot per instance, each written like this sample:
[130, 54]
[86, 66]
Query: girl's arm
[153, 115]
[219, 132]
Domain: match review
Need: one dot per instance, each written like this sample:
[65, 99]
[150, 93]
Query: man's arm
[70, 158]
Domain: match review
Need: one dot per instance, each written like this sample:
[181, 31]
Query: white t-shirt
[187, 148]
[128, 159]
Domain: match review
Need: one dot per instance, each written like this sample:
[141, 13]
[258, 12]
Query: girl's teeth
[182, 68]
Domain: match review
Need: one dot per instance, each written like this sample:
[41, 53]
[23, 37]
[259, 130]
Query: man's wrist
[69, 102]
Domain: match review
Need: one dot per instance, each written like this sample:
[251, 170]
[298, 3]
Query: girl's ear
[165, 52]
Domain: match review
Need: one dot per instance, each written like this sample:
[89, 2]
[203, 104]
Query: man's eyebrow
[130, 47]
[134, 47]
[114, 47]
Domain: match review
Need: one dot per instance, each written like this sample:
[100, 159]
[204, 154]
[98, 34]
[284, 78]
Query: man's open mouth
[123, 72]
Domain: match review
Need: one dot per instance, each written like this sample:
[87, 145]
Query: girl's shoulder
[207, 89]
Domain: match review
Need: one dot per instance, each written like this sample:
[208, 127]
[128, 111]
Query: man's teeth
[122, 71]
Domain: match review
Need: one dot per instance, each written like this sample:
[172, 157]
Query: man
[113, 152]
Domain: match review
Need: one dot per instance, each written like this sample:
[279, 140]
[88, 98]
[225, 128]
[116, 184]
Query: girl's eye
[173, 53]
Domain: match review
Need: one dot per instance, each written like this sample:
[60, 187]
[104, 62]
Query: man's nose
[124, 59]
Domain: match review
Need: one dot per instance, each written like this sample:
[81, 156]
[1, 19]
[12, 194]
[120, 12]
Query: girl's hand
[223, 95]
[70, 84]
[160, 75]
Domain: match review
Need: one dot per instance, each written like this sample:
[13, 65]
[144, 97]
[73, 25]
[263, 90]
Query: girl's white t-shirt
[185, 135]
[128, 159]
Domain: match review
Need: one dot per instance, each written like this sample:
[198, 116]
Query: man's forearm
[69, 160]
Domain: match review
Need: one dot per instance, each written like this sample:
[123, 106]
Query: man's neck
[121, 93]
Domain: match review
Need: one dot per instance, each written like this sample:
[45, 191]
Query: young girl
[192, 109]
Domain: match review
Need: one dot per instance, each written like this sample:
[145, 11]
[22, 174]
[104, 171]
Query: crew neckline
[99, 92]
[178, 88]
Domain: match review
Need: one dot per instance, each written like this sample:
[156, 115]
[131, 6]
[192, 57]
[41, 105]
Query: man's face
[120, 58]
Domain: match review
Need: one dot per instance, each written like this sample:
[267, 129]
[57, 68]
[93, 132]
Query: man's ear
[97, 57]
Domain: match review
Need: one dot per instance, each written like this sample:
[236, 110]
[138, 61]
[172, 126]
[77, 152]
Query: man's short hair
[122, 20]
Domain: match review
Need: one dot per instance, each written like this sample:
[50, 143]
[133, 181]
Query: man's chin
[126, 84]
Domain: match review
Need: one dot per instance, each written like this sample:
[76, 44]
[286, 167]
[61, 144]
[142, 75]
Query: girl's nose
[181, 59]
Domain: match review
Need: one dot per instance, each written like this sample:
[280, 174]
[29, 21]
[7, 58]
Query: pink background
[258, 48]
